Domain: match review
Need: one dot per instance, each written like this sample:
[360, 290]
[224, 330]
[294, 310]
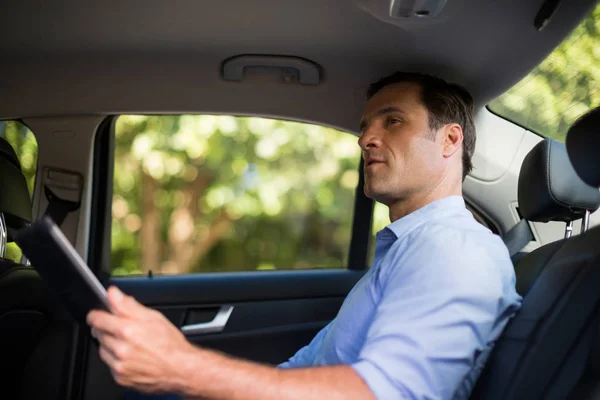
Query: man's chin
[377, 195]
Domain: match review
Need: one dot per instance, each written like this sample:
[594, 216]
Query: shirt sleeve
[305, 357]
[439, 302]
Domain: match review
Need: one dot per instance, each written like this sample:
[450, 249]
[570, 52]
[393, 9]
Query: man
[418, 325]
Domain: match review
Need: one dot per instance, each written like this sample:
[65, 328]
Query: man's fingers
[118, 348]
[116, 366]
[116, 298]
[108, 357]
[103, 322]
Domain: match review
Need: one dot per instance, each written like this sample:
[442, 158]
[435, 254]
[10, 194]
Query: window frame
[487, 106]
[102, 190]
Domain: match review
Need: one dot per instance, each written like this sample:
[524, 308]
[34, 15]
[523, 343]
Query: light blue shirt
[422, 321]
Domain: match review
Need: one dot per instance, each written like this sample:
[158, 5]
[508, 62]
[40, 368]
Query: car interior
[202, 157]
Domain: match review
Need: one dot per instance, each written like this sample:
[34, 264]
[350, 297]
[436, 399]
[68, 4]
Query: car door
[263, 315]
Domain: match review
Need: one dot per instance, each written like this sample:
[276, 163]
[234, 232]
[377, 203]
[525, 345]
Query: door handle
[216, 325]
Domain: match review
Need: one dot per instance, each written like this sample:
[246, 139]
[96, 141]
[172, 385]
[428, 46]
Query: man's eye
[393, 121]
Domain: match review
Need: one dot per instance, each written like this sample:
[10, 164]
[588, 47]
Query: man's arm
[212, 375]
[146, 352]
[306, 355]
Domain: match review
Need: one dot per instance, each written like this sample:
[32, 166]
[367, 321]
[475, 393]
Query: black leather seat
[548, 349]
[25, 302]
[549, 189]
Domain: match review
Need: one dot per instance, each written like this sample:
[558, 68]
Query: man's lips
[373, 161]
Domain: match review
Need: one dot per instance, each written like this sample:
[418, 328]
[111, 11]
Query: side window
[381, 219]
[23, 142]
[221, 193]
[561, 88]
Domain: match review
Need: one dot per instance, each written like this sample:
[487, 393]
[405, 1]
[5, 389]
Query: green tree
[222, 193]
[23, 142]
[562, 88]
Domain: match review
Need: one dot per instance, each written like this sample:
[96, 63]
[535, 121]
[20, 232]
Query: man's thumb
[116, 298]
[124, 305]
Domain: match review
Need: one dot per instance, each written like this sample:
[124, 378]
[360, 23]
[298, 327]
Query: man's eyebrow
[383, 111]
[388, 110]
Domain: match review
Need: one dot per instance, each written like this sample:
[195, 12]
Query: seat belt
[58, 208]
[517, 237]
[63, 190]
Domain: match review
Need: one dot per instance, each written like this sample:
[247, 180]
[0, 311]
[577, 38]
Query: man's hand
[142, 348]
[146, 352]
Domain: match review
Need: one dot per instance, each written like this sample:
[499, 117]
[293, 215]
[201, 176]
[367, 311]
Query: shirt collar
[426, 213]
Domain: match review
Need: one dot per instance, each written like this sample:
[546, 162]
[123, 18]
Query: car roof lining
[71, 58]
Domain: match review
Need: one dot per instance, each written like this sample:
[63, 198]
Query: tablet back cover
[57, 263]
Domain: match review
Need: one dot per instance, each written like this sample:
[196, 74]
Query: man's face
[403, 158]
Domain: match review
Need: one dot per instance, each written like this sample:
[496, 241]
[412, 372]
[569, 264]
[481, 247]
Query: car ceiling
[145, 56]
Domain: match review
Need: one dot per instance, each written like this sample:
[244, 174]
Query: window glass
[201, 193]
[23, 142]
[562, 88]
[381, 219]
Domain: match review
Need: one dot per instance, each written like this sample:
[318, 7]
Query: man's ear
[452, 139]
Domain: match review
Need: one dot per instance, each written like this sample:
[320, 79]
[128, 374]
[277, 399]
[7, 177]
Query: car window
[562, 88]
[203, 193]
[381, 219]
[23, 142]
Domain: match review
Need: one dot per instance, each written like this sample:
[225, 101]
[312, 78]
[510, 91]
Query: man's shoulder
[447, 224]
[460, 235]
[447, 251]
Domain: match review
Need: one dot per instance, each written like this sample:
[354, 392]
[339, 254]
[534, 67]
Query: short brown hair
[445, 102]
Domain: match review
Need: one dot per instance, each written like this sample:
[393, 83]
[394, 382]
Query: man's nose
[369, 139]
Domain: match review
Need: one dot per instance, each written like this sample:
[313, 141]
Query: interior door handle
[216, 325]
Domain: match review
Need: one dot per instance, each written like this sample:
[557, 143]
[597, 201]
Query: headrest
[549, 187]
[583, 140]
[15, 201]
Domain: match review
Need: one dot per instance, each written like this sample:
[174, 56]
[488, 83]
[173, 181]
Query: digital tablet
[61, 267]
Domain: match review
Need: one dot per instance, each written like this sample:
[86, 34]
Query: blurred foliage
[23, 142]
[221, 193]
[562, 88]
